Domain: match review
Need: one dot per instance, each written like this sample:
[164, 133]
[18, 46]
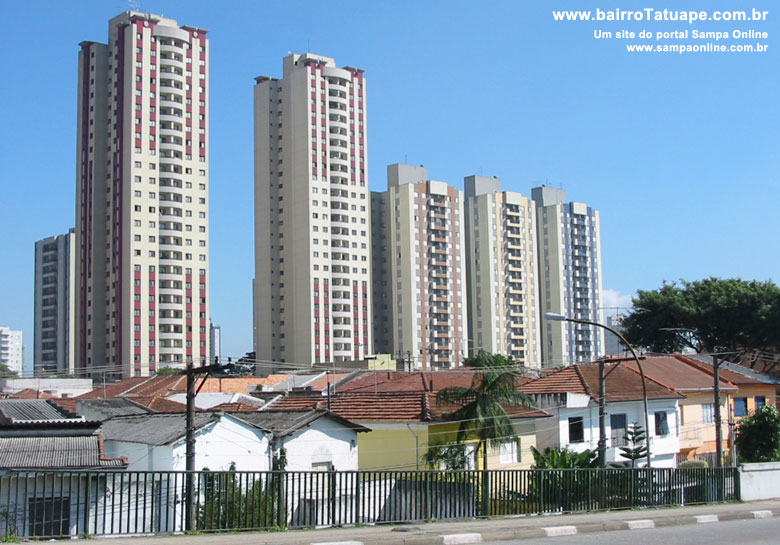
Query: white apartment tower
[55, 305]
[142, 197]
[502, 271]
[11, 349]
[312, 297]
[569, 247]
[419, 270]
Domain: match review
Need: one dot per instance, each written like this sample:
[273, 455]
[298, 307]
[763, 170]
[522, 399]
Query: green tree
[5, 372]
[758, 436]
[636, 444]
[449, 457]
[704, 314]
[481, 412]
[561, 458]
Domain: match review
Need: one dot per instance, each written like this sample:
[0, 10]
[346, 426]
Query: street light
[602, 386]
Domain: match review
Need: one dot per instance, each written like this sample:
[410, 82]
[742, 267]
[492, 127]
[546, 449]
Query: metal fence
[60, 504]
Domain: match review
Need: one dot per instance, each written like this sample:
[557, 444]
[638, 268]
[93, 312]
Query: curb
[507, 534]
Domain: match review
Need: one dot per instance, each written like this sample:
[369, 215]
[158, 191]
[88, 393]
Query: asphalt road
[741, 532]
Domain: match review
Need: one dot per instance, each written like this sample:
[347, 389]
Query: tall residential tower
[419, 270]
[142, 250]
[502, 270]
[569, 247]
[312, 296]
[55, 305]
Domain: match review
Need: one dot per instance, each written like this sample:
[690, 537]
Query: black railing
[60, 504]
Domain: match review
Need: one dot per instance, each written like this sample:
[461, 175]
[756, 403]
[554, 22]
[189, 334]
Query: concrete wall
[759, 481]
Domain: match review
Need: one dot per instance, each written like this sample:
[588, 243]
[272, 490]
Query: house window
[661, 424]
[48, 516]
[509, 452]
[576, 430]
[760, 401]
[740, 406]
[618, 424]
[708, 413]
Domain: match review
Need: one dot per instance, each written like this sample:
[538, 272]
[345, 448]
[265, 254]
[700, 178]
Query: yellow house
[742, 391]
[405, 420]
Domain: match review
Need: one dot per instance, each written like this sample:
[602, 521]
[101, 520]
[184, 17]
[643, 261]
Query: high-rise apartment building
[11, 349]
[55, 305]
[420, 313]
[569, 248]
[502, 271]
[142, 197]
[312, 297]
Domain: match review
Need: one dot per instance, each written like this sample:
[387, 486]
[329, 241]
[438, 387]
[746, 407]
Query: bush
[758, 436]
[694, 464]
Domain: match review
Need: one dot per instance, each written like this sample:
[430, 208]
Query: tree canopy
[480, 412]
[707, 315]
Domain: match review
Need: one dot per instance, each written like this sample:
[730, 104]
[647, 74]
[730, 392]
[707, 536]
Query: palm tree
[481, 412]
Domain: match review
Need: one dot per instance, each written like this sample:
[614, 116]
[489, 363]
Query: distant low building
[56, 387]
[11, 349]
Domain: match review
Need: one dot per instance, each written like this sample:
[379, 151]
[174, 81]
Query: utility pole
[718, 434]
[602, 445]
[191, 372]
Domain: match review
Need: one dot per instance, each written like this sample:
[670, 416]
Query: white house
[156, 442]
[247, 441]
[572, 396]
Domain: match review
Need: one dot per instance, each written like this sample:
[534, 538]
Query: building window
[618, 424]
[661, 424]
[576, 430]
[509, 452]
[760, 401]
[708, 413]
[740, 406]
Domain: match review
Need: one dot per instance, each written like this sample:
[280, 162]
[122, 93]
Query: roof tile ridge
[102, 453]
[426, 413]
[584, 382]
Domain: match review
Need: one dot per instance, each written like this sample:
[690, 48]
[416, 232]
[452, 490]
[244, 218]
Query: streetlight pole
[602, 385]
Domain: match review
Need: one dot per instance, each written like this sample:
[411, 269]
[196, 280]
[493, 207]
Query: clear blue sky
[680, 153]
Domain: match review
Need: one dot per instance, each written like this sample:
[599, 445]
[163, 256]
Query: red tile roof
[677, 372]
[244, 407]
[384, 406]
[420, 381]
[165, 385]
[160, 404]
[622, 384]
[735, 377]
[30, 393]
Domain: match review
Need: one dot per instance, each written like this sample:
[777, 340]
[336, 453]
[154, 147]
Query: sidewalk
[475, 531]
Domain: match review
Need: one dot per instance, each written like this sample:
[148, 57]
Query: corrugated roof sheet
[115, 407]
[153, 429]
[68, 452]
[32, 410]
[285, 422]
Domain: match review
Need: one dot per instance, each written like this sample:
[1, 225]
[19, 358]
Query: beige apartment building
[502, 271]
[569, 250]
[419, 270]
[55, 305]
[142, 252]
[312, 296]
